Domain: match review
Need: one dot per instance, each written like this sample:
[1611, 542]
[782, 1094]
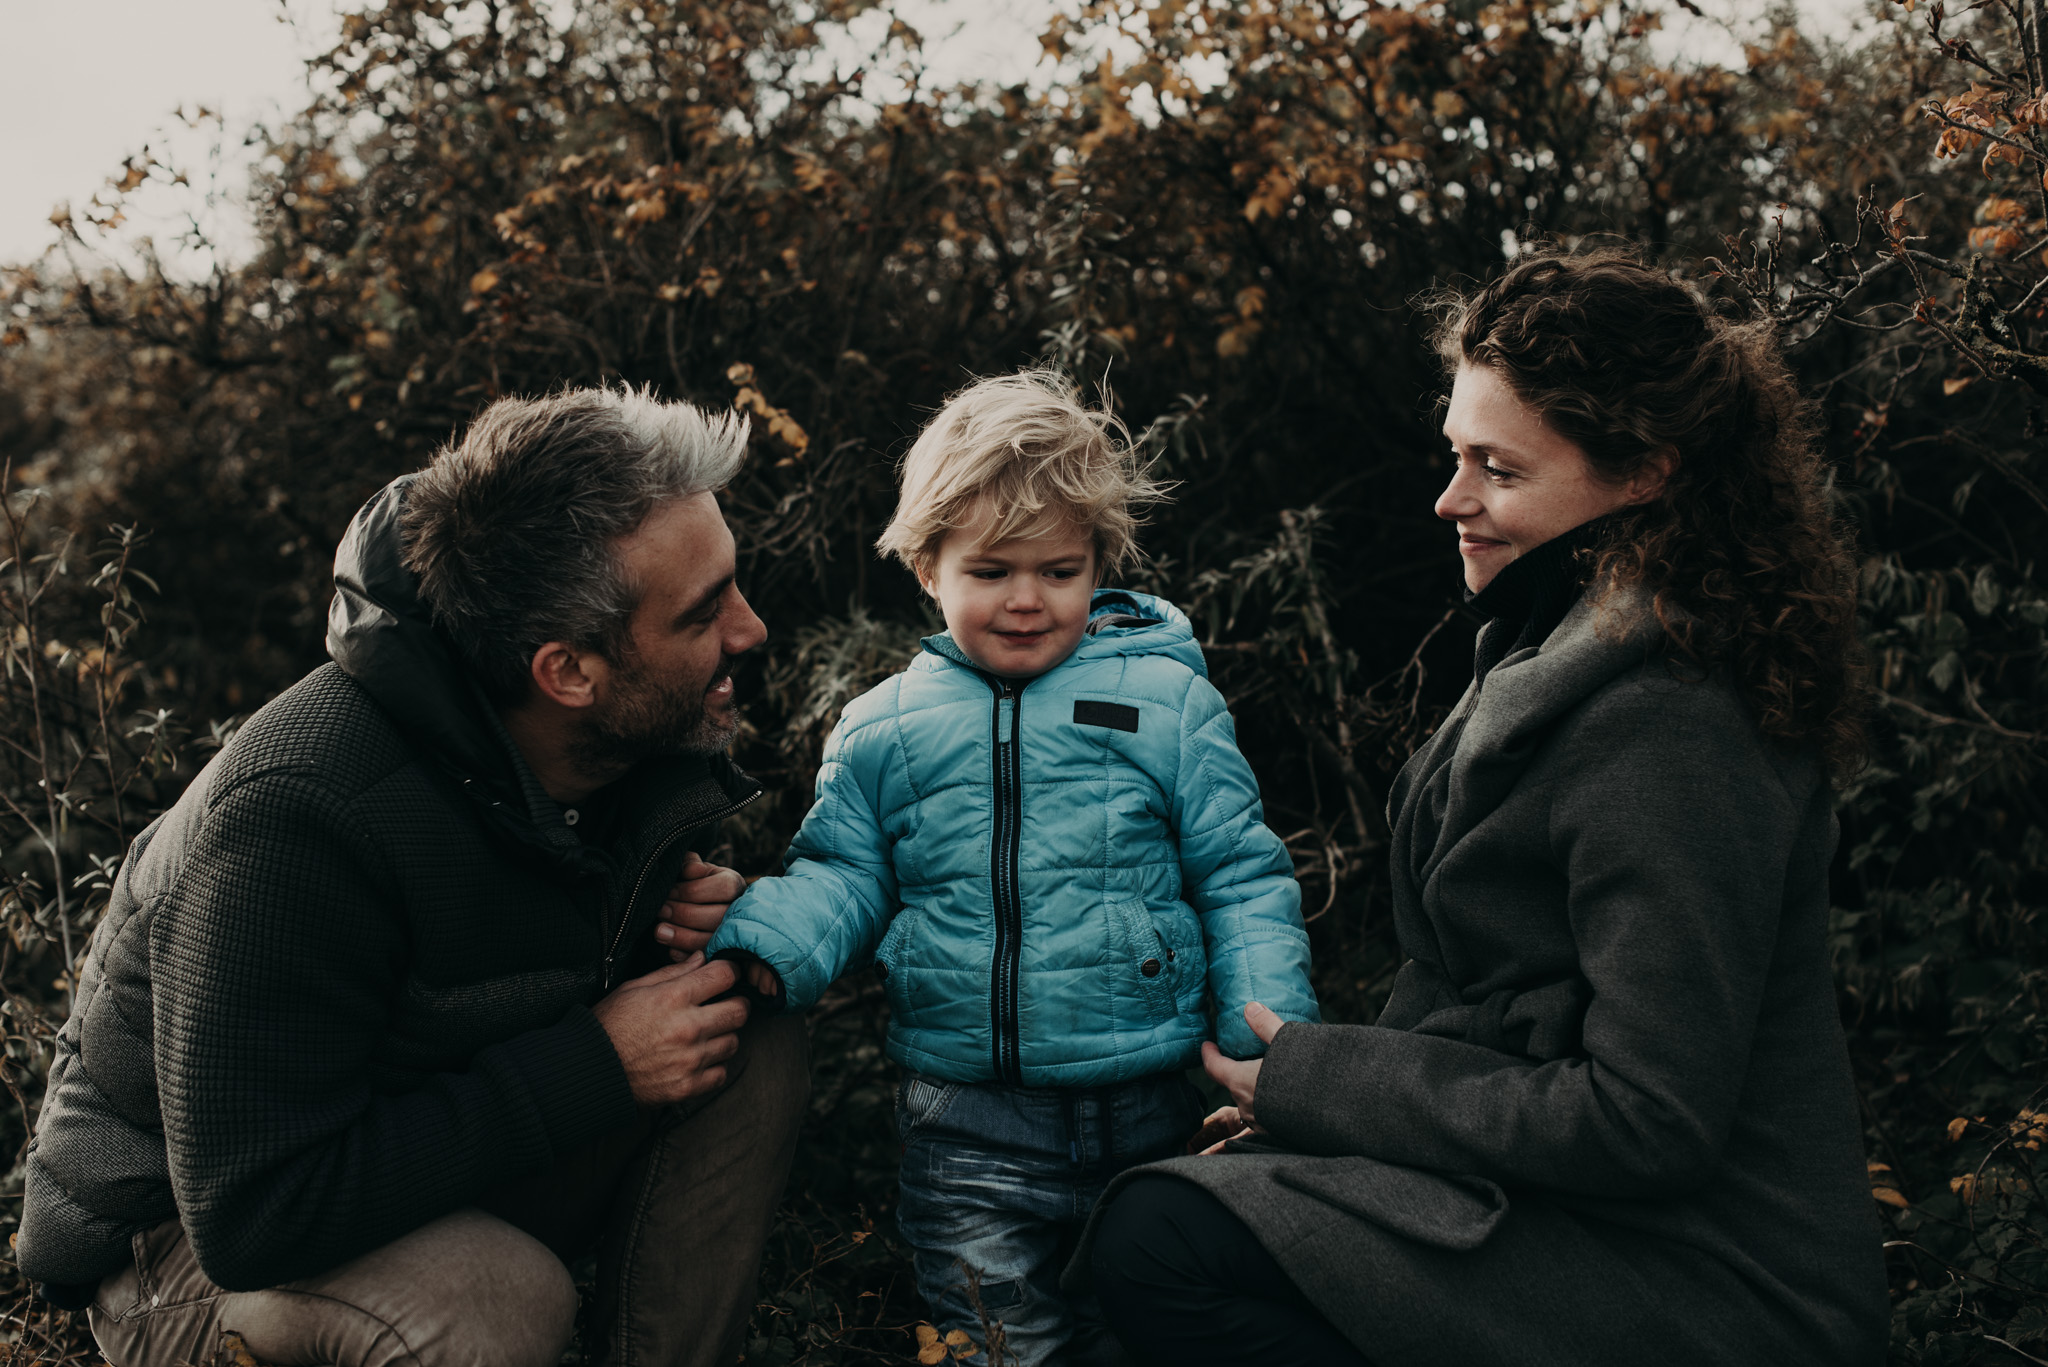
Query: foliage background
[1223, 208]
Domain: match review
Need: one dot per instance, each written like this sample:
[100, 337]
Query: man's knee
[467, 1290]
[768, 1081]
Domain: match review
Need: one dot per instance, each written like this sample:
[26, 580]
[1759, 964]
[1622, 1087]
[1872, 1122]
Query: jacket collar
[1120, 622]
[380, 632]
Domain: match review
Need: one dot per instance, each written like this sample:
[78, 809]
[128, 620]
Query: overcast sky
[88, 83]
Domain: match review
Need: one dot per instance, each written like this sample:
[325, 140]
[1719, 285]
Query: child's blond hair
[1040, 460]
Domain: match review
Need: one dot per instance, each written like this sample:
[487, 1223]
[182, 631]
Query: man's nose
[745, 630]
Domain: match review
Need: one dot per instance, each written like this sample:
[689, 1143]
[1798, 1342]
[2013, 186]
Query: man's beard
[643, 717]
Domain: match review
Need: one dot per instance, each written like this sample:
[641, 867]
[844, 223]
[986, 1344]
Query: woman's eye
[1495, 472]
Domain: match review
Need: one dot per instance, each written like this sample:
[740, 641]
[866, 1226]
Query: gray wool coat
[1607, 1115]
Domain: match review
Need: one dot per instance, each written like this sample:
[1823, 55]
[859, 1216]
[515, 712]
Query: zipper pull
[1006, 727]
[607, 973]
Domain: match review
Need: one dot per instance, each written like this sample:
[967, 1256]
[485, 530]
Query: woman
[1607, 1115]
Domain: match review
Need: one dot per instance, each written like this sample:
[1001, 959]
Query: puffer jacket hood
[1057, 875]
[382, 634]
[384, 638]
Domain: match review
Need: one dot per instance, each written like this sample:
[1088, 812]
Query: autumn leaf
[930, 1348]
[1270, 198]
[1891, 1196]
[484, 281]
[960, 1345]
[671, 293]
[1952, 386]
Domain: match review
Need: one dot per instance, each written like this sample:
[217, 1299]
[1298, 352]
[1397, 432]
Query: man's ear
[567, 676]
[1648, 483]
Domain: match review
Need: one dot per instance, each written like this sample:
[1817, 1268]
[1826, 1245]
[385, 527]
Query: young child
[1043, 833]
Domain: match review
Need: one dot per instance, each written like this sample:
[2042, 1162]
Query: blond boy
[1044, 836]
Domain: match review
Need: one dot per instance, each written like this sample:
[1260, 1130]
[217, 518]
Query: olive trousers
[677, 1208]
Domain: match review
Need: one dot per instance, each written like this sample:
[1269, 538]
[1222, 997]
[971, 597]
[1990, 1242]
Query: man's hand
[696, 906]
[673, 1040]
[1241, 1077]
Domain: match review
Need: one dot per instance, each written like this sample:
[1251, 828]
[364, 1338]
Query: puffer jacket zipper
[1005, 729]
[661, 847]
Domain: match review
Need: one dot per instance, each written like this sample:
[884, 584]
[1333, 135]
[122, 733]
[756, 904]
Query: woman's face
[1519, 482]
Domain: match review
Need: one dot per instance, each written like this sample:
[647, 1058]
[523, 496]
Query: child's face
[1017, 607]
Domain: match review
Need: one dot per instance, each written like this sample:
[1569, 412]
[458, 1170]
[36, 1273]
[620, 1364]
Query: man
[366, 1049]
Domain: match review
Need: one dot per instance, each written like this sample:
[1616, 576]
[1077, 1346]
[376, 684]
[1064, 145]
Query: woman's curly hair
[1747, 565]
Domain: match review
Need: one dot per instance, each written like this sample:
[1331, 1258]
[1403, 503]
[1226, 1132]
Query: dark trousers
[1184, 1284]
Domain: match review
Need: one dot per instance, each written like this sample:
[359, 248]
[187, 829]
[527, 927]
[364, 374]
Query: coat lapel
[1524, 694]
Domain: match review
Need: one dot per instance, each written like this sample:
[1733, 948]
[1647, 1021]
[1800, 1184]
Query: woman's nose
[1457, 500]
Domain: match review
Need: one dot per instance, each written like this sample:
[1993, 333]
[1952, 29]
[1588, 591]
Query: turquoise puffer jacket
[1049, 871]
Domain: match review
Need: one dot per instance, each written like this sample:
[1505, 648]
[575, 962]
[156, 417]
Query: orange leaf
[484, 281]
[1951, 387]
[1891, 1196]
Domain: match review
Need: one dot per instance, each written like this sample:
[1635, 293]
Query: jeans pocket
[920, 1100]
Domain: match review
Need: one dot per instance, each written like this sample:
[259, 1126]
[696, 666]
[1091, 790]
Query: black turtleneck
[1532, 594]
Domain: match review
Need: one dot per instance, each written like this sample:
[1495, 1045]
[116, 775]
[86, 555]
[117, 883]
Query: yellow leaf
[1890, 1196]
[1961, 1122]
[929, 1349]
[962, 1346]
[1965, 1187]
[739, 372]
[484, 281]
[1447, 105]
[708, 282]
[1251, 301]
[1952, 386]
[1270, 197]
[671, 293]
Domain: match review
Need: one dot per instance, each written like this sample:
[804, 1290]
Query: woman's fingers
[1263, 1022]
[1220, 1144]
[1221, 1124]
[1241, 1076]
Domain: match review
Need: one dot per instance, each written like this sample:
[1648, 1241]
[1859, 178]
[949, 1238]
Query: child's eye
[987, 576]
[1063, 575]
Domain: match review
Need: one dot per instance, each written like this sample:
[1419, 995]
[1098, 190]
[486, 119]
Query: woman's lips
[1477, 545]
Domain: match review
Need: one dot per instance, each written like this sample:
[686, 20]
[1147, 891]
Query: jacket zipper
[666, 843]
[1009, 907]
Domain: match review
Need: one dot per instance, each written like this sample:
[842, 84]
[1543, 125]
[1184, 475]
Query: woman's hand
[1241, 1077]
[696, 906]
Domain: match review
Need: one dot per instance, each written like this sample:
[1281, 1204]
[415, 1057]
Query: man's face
[673, 695]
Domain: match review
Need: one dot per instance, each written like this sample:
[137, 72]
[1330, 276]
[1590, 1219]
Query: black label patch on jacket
[1114, 715]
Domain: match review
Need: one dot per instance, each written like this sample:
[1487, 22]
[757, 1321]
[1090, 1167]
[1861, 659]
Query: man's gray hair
[512, 530]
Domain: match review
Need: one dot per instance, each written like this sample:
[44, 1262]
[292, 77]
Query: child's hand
[696, 906]
[755, 973]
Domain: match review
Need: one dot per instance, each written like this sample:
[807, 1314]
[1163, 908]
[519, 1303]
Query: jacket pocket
[921, 1100]
[1147, 959]
[1440, 1209]
[892, 958]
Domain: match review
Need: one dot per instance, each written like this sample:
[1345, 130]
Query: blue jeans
[998, 1181]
